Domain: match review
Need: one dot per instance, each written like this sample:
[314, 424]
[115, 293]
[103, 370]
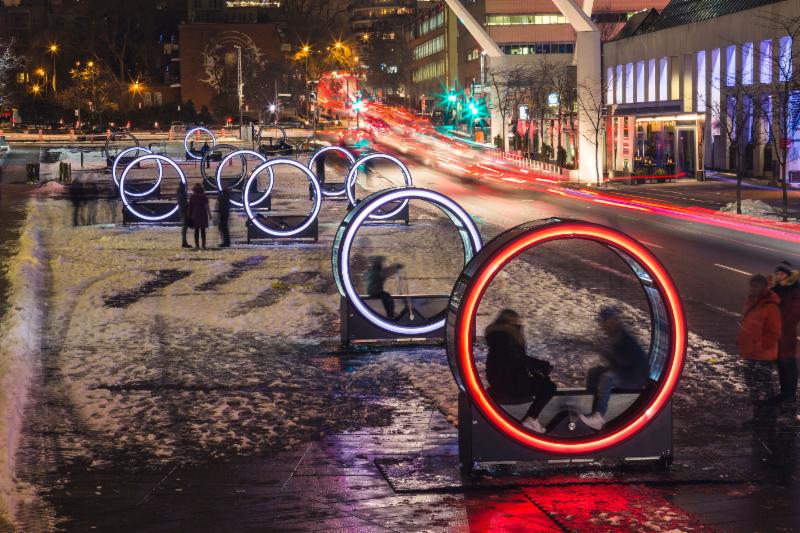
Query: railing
[526, 162]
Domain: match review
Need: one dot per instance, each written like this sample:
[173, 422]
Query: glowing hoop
[205, 160]
[242, 154]
[118, 134]
[138, 149]
[189, 134]
[124, 195]
[350, 182]
[350, 157]
[343, 243]
[481, 271]
[268, 166]
[270, 127]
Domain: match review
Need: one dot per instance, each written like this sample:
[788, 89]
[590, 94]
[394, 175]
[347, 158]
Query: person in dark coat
[375, 277]
[786, 284]
[199, 214]
[76, 197]
[513, 376]
[627, 366]
[224, 212]
[183, 209]
[203, 151]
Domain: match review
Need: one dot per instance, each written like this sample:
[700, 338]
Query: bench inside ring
[481, 439]
[361, 320]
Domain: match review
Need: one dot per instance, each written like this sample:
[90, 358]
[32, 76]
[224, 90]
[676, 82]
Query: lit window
[765, 62]
[663, 78]
[629, 83]
[716, 81]
[610, 86]
[701, 81]
[619, 84]
[640, 81]
[747, 64]
[651, 82]
[730, 65]
[785, 58]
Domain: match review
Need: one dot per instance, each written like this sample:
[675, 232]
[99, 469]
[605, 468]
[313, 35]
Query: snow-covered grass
[755, 208]
[20, 345]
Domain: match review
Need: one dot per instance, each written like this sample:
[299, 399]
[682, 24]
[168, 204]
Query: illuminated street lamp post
[240, 87]
[53, 49]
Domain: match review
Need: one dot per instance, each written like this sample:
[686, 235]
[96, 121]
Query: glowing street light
[53, 49]
[135, 87]
[451, 98]
[40, 72]
[36, 89]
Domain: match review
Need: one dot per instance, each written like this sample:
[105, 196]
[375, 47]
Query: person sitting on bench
[375, 277]
[628, 366]
[512, 375]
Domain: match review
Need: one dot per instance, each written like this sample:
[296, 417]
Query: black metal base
[226, 182]
[357, 329]
[480, 442]
[282, 223]
[399, 218]
[139, 187]
[326, 186]
[152, 209]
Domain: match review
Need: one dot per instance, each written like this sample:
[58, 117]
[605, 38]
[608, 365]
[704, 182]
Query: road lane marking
[722, 310]
[651, 244]
[733, 269]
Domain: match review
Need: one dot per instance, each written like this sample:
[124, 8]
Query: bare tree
[8, 62]
[735, 116]
[504, 83]
[780, 108]
[592, 106]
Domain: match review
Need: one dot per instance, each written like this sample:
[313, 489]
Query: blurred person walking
[183, 209]
[759, 333]
[224, 212]
[199, 213]
[786, 284]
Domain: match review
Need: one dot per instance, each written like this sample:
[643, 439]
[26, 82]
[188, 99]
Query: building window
[629, 83]
[730, 65]
[610, 86]
[429, 47]
[651, 82]
[538, 48]
[515, 20]
[730, 116]
[619, 84]
[473, 54]
[716, 89]
[765, 62]
[747, 117]
[640, 81]
[430, 24]
[430, 71]
[785, 58]
[701, 81]
[747, 64]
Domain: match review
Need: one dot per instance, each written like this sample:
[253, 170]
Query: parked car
[290, 121]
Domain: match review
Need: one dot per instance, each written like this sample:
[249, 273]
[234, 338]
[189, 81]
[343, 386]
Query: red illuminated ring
[467, 305]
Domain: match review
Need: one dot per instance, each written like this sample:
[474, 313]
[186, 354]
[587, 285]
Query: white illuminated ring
[312, 178]
[129, 206]
[350, 157]
[343, 244]
[189, 134]
[242, 154]
[138, 149]
[350, 182]
[218, 148]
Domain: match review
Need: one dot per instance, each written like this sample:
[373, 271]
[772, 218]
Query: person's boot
[594, 421]
[534, 425]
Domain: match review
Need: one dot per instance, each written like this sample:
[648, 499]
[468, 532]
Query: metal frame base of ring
[360, 320]
[281, 227]
[190, 156]
[488, 432]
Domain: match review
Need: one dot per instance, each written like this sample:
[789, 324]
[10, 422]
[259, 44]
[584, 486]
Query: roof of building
[641, 18]
[682, 12]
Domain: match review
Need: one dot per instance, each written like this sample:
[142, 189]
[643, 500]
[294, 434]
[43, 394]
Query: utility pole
[240, 85]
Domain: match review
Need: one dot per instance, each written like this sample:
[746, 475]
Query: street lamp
[240, 85]
[358, 106]
[53, 49]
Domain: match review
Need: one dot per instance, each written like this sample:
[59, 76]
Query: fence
[526, 162]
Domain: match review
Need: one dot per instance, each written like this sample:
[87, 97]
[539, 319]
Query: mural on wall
[220, 60]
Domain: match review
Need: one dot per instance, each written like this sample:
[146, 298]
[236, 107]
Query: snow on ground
[174, 354]
[19, 346]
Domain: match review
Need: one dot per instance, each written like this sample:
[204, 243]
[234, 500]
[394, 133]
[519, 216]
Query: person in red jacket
[786, 284]
[759, 332]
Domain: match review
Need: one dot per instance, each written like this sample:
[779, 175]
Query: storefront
[663, 146]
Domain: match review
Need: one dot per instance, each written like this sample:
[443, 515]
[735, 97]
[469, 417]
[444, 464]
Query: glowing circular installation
[345, 235]
[129, 206]
[248, 207]
[666, 312]
[243, 154]
[269, 127]
[205, 160]
[350, 183]
[137, 149]
[322, 151]
[189, 134]
[119, 134]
